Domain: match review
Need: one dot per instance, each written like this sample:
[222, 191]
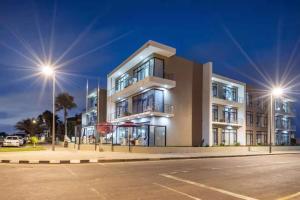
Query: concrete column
[207, 133]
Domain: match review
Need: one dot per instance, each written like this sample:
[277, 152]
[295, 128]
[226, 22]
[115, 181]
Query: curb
[85, 161]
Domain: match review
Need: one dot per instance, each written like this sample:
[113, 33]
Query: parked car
[1, 141]
[11, 141]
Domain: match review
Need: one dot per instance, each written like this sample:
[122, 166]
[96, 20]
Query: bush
[34, 140]
[237, 144]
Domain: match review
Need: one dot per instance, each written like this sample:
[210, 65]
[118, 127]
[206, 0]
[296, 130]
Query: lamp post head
[47, 70]
[277, 91]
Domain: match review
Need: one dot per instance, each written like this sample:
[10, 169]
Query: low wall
[137, 149]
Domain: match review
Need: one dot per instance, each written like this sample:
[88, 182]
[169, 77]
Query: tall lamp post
[49, 71]
[277, 92]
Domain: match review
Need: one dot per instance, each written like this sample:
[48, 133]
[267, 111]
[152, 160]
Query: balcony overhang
[224, 102]
[227, 124]
[142, 115]
[142, 53]
[142, 85]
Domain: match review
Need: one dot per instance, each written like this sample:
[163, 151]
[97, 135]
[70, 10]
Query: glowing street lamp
[49, 71]
[277, 92]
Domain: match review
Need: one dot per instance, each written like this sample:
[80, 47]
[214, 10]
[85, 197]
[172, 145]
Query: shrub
[34, 140]
[237, 144]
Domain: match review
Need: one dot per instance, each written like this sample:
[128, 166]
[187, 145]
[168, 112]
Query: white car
[11, 141]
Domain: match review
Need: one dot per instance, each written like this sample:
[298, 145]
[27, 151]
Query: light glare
[47, 70]
[277, 91]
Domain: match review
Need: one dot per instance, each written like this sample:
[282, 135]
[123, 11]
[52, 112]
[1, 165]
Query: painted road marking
[208, 187]
[176, 191]
[70, 171]
[290, 196]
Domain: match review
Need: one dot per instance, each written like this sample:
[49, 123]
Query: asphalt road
[248, 178]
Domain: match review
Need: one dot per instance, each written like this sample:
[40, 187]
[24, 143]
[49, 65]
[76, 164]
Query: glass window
[249, 137]
[230, 93]
[122, 109]
[230, 115]
[261, 138]
[249, 118]
[215, 89]
[215, 113]
[249, 100]
[215, 135]
[152, 100]
[152, 67]
[229, 136]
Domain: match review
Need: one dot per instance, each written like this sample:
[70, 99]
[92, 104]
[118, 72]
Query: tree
[46, 119]
[65, 102]
[30, 126]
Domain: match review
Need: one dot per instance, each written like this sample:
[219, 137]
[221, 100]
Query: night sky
[96, 36]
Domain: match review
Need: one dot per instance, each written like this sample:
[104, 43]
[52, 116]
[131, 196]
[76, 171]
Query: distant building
[258, 119]
[94, 114]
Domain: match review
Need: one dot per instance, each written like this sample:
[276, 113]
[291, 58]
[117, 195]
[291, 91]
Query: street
[248, 178]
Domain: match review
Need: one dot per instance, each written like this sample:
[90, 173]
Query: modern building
[228, 111]
[258, 118]
[95, 113]
[284, 120]
[157, 98]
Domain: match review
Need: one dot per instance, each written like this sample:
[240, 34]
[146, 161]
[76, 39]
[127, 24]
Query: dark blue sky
[234, 35]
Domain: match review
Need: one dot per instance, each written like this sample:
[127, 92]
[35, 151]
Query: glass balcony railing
[229, 120]
[131, 80]
[159, 108]
[234, 99]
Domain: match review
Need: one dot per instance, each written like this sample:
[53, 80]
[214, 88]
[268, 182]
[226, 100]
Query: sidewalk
[66, 156]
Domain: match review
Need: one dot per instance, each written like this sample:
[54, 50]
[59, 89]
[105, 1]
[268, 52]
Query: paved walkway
[62, 155]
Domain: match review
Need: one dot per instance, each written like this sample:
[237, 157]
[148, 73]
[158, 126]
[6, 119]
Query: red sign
[104, 128]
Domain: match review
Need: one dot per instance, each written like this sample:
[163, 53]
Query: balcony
[158, 110]
[229, 122]
[222, 100]
[285, 112]
[285, 127]
[134, 86]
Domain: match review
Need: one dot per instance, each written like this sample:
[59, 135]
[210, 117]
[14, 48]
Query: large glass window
[249, 137]
[249, 100]
[215, 113]
[122, 82]
[230, 115]
[229, 136]
[261, 138]
[261, 120]
[215, 89]
[152, 100]
[152, 67]
[122, 109]
[249, 118]
[215, 135]
[230, 93]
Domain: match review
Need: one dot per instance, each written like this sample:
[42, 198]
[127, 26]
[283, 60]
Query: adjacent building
[95, 113]
[156, 98]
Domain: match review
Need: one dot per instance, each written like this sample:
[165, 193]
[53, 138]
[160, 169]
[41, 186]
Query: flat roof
[228, 79]
[143, 52]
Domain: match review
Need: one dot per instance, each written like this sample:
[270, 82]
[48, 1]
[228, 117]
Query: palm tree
[30, 126]
[46, 119]
[65, 102]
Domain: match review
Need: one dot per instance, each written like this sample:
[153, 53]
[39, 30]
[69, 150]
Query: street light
[49, 71]
[277, 92]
